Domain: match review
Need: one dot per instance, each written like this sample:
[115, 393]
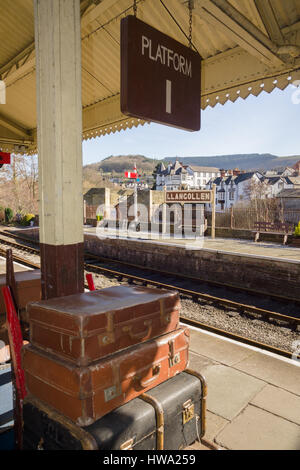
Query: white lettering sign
[166, 57]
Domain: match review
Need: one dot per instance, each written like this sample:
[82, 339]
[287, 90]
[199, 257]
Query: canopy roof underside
[247, 46]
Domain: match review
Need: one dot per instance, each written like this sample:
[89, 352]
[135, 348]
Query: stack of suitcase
[92, 360]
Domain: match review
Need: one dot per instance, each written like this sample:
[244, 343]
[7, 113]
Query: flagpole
[135, 196]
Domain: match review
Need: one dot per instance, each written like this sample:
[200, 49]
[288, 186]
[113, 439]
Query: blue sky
[268, 123]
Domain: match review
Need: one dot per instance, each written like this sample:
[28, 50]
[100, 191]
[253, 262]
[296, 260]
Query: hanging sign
[199, 197]
[160, 77]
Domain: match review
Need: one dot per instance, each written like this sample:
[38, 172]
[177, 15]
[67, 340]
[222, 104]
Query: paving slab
[272, 370]
[196, 446]
[199, 363]
[214, 425]
[229, 390]
[257, 429]
[279, 402]
[217, 349]
[17, 267]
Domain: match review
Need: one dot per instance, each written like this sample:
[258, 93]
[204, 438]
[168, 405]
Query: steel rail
[194, 294]
[244, 308]
[188, 321]
[232, 287]
[195, 279]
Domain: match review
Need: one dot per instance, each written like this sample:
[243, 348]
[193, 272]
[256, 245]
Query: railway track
[93, 264]
[32, 247]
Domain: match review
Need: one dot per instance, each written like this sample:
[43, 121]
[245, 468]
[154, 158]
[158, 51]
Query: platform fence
[244, 219]
[236, 218]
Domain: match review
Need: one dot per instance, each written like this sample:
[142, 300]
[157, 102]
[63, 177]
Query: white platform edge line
[246, 346]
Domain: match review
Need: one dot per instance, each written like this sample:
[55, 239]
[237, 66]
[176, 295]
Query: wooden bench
[281, 228]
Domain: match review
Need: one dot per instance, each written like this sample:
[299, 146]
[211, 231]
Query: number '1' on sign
[168, 96]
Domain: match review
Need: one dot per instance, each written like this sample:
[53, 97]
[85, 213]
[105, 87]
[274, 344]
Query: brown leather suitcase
[28, 288]
[85, 394]
[86, 327]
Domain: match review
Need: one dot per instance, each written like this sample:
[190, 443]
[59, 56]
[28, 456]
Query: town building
[232, 187]
[178, 176]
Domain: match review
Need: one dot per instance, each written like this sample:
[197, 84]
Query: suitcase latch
[188, 411]
[111, 393]
[109, 336]
[174, 360]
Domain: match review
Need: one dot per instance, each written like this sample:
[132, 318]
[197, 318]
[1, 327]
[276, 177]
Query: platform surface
[225, 245]
[253, 398]
[17, 267]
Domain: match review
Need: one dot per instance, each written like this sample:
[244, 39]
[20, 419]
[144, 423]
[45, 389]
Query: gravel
[280, 337]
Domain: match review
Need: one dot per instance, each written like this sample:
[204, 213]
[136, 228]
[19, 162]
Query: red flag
[130, 174]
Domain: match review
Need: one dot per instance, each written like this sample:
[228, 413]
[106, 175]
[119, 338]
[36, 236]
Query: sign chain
[134, 8]
[191, 24]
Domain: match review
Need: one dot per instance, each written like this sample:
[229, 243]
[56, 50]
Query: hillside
[118, 164]
[242, 161]
[98, 174]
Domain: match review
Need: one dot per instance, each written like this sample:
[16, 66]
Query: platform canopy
[247, 46]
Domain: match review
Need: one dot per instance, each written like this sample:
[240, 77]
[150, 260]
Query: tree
[19, 184]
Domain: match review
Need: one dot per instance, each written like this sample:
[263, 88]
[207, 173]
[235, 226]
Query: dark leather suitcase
[86, 327]
[170, 416]
[85, 394]
[28, 288]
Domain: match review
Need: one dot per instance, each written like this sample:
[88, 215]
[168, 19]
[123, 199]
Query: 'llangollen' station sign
[190, 197]
[160, 77]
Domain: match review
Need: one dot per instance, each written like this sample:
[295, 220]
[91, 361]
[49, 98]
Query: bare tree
[19, 184]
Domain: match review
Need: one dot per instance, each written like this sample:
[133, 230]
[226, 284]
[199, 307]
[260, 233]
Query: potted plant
[98, 219]
[296, 236]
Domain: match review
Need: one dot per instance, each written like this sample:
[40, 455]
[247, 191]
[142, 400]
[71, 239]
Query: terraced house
[177, 176]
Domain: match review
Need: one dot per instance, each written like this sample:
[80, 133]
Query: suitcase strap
[203, 399]
[109, 336]
[165, 318]
[188, 411]
[160, 422]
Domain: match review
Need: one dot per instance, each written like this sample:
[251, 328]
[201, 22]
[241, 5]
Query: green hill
[118, 164]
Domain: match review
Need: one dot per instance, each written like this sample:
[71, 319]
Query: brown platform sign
[190, 197]
[160, 77]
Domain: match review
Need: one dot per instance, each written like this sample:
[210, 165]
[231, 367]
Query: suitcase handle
[146, 383]
[142, 334]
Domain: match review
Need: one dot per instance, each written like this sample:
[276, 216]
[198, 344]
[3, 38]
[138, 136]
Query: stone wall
[253, 272]
[258, 273]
